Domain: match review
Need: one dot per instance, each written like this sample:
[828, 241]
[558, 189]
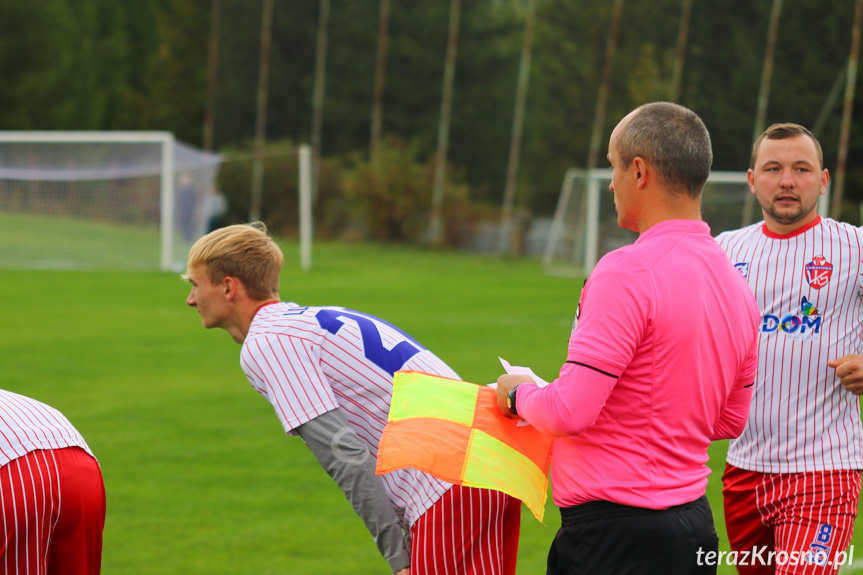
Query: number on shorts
[824, 534]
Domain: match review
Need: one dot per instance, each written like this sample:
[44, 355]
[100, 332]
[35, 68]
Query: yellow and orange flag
[454, 431]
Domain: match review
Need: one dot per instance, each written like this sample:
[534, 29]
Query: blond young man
[327, 372]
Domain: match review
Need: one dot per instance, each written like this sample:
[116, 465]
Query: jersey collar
[262, 306]
[796, 232]
[674, 226]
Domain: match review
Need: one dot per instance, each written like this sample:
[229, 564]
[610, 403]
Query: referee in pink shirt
[661, 362]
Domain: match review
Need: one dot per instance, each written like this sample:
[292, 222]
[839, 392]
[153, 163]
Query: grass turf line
[199, 476]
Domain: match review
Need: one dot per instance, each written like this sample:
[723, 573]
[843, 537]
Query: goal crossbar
[584, 226]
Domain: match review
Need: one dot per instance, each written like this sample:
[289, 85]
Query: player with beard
[792, 480]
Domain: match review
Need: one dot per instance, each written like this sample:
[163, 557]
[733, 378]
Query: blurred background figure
[217, 207]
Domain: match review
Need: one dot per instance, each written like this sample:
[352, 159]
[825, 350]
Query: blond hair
[243, 251]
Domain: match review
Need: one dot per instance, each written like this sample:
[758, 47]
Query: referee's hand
[849, 370]
[504, 384]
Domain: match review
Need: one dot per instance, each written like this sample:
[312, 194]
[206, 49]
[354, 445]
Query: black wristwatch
[510, 400]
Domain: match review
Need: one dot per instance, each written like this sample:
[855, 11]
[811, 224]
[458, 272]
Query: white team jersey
[309, 360]
[809, 288]
[27, 425]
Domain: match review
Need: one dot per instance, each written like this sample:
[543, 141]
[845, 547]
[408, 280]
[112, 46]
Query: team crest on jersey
[818, 272]
[743, 267]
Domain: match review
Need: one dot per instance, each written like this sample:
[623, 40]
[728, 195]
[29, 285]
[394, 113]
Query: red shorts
[789, 522]
[53, 508]
[467, 532]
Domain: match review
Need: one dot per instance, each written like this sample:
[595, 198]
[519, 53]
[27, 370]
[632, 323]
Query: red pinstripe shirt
[309, 360]
[27, 425]
[808, 285]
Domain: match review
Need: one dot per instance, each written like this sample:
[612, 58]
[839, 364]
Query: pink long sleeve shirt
[661, 362]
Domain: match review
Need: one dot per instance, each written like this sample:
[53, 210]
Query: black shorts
[599, 537]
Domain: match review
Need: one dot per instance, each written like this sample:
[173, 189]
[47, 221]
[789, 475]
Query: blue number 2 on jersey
[389, 360]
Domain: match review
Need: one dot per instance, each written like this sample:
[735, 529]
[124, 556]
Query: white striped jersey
[808, 285]
[307, 361]
[27, 425]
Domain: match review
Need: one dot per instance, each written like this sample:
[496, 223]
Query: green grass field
[59, 242]
[199, 476]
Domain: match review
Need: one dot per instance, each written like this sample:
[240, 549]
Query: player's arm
[345, 458]
[849, 370]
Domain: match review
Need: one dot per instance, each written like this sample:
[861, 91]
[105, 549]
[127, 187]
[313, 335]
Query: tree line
[142, 65]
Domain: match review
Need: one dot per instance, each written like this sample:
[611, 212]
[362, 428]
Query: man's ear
[641, 171]
[230, 287]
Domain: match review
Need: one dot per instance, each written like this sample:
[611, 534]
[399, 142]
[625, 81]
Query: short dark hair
[672, 138]
[781, 132]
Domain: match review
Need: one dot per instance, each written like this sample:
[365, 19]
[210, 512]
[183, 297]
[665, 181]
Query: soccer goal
[585, 222]
[101, 200]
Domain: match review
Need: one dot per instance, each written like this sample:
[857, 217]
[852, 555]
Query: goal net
[585, 223]
[101, 200]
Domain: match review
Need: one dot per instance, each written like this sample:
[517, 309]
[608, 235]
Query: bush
[392, 196]
[388, 200]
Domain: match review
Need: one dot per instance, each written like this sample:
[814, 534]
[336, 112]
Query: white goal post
[585, 227]
[89, 200]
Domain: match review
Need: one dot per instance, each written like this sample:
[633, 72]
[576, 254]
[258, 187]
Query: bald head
[672, 138]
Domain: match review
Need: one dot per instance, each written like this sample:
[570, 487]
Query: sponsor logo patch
[806, 322]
